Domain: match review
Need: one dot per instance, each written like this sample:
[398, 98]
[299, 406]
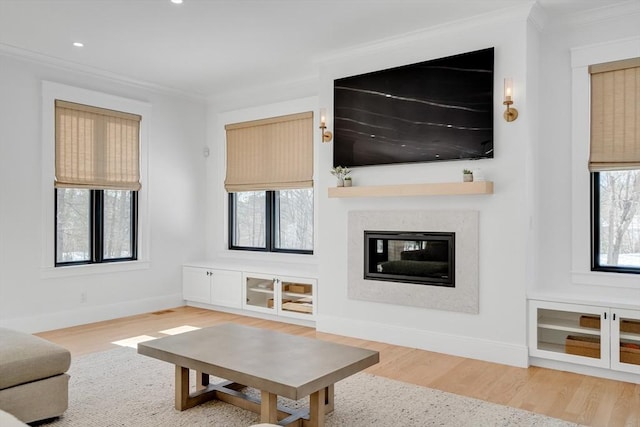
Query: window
[269, 179]
[616, 221]
[96, 184]
[614, 163]
[94, 226]
[274, 221]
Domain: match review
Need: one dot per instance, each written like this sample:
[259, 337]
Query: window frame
[595, 232]
[270, 227]
[581, 58]
[96, 230]
[50, 92]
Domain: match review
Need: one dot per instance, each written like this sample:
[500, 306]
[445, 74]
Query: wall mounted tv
[435, 110]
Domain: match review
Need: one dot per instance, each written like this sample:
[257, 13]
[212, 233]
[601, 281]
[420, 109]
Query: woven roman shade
[96, 148]
[615, 115]
[270, 154]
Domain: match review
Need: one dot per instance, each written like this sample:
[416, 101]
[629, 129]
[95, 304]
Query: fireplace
[423, 258]
[461, 298]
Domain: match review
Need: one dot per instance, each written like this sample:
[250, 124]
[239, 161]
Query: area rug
[122, 388]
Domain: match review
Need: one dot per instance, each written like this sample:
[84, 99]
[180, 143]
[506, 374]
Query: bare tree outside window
[117, 224]
[73, 225]
[94, 226]
[294, 219]
[272, 221]
[619, 227]
[250, 219]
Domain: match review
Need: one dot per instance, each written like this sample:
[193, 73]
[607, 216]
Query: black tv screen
[435, 110]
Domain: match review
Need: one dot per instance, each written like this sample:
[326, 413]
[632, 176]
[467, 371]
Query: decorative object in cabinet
[583, 346]
[632, 326]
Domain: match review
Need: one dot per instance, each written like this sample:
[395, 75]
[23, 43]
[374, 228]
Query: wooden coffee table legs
[268, 407]
[204, 392]
[320, 402]
[316, 408]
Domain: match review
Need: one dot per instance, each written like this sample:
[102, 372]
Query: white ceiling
[203, 47]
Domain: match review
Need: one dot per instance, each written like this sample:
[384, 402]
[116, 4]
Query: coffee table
[275, 363]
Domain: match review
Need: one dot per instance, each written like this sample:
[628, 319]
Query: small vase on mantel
[340, 172]
[347, 181]
[467, 176]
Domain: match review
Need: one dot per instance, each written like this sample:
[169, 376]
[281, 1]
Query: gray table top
[287, 365]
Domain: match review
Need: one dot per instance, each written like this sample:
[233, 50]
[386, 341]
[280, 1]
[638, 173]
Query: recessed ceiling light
[176, 1]
[78, 44]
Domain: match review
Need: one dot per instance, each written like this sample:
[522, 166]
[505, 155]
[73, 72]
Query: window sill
[294, 264]
[91, 269]
[601, 278]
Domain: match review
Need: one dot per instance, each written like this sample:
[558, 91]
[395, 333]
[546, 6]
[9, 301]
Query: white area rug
[122, 388]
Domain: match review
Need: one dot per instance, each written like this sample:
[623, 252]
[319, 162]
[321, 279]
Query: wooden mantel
[404, 190]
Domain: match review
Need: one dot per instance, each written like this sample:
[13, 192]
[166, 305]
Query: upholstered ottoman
[33, 382]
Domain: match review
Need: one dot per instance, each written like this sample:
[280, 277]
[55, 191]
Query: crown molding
[60, 64]
[583, 56]
[493, 18]
[597, 15]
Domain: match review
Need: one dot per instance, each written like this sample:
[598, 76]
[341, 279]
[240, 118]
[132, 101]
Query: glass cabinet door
[571, 333]
[296, 297]
[625, 340]
[260, 293]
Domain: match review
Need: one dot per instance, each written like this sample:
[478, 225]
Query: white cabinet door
[625, 340]
[226, 288]
[196, 284]
[569, 332]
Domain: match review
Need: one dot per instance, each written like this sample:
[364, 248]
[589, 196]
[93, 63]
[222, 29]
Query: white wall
[498, 332]
[557, 277]
[32, 300]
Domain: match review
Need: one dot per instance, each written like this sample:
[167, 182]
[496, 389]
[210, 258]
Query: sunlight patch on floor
[133, 341]
[179, 330]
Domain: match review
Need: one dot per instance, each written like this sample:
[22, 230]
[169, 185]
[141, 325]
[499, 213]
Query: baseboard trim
[90, 314]
[463, 346]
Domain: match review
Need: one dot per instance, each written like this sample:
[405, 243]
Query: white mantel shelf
[403, 190]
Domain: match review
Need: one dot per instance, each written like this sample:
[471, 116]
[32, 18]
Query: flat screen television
[431, 111]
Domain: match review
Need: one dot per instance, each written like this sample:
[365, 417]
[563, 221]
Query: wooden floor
[572, 397]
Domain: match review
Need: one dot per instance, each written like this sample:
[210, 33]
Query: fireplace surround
[463, 297]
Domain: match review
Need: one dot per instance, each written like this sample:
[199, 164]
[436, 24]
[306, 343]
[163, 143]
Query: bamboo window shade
[615, 115]
[96, 148]
[270, 154]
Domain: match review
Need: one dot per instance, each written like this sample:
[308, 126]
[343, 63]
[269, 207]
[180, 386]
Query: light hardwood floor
[572, 397]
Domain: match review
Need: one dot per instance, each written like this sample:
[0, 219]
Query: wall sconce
[511, 113]
[327, 136]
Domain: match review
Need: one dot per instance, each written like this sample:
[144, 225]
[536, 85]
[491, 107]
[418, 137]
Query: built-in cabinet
[604, 337]
[212, 286]
[289, 297]
[280, 295]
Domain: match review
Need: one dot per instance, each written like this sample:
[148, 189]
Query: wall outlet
[83, 296]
